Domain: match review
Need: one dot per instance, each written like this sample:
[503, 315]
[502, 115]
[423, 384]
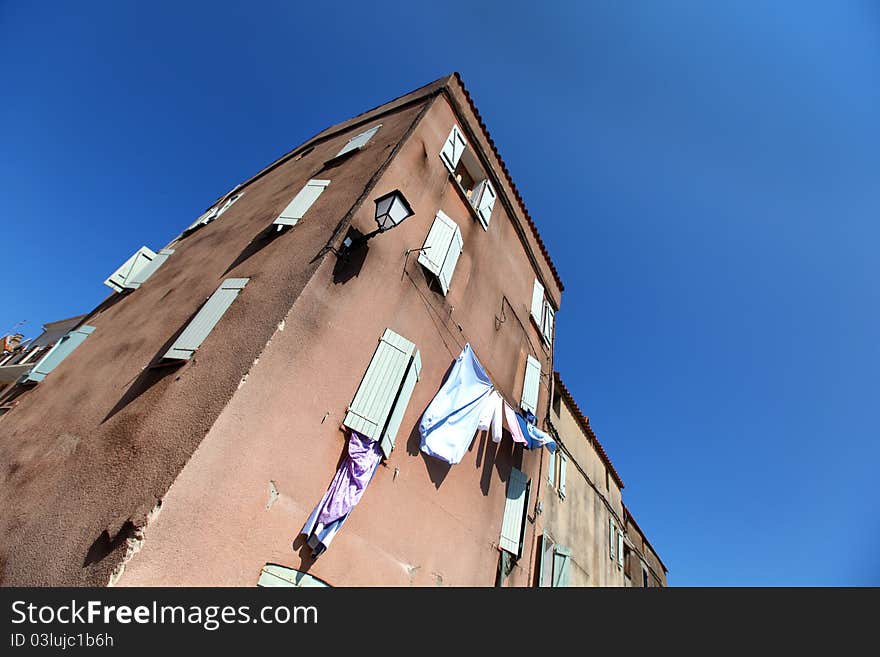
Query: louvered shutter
[122, 277]
[138, 279]
[485, 202]
[206, 319]
[437, 243]
[619, 548]
[205, 218]
[226, 206]
[452, 255]
[514, 512]
[546, 569]
[561, 563]
[547, 328]
[453, 148]
[395, 367]
[563, 461]
[300, 204]
[531, 382]
[275, 576]
[358, 141]
[389, 435]
[551, 466]
[61, 350]
[538, 302]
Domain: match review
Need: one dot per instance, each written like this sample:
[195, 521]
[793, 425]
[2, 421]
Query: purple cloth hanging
[351, 479]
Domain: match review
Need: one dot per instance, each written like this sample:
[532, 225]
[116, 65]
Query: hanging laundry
[449, 424]
[517, 431]
[491, 416]
[538, 438]
[345, 491]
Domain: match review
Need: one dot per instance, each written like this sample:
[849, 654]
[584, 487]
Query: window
[468, 173]
[206, 319]
[137, 269]
[213, 213]
[61, 350]
[381, 399]
[555, 563]
[620, 548]
[513, 523]
[612, 531]
[301, 203]
[563, 461]
[645, 581]
[551, 468]
[543, 313]
[442, 248]
[273, 575]
[359, 141]
[532, 380]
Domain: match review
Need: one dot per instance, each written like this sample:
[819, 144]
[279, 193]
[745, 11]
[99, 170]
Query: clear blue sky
[705, 176]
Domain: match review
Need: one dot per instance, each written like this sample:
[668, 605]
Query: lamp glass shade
[391, 209]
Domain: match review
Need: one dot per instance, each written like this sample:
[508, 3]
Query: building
[643, 567]
[195, 418]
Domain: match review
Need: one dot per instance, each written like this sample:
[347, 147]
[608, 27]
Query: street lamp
[391, 210]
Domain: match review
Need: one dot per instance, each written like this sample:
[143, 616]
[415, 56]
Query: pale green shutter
[389, 435]
[205, 218]
[226, 205]
[301, 203]
[619, 548]
[452, 254]
[531, 382]
[611, 532]
[538, 303]
[122, 277]
[437, 243]
[545, 568]
[514, 512]
[358, 141]
[61, 350]
[551, 467]
[394, 368]
[275, 576]
[453, 147]
[561, 564]
[138, 278]
[206, 319]
[485, 202]
[563, 460]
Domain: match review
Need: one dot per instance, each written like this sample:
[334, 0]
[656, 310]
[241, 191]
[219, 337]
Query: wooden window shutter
[61, 350]
[120, 279]
[531, 383]
[138, 278]
[514, 512]
[359, 141]
[563, 461]
[206, 319]
[547, 328]
[274, 576]
[485, 201]
[611, 532]
[619, 548]
[301, 203]
[453, 147]
[551, 467]
[381, 398]
[538, 303]
[561, 565]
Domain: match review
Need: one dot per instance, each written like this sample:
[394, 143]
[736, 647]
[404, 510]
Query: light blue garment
[449, 424]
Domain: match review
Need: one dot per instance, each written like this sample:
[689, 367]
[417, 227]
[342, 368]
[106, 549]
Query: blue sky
[704, 175]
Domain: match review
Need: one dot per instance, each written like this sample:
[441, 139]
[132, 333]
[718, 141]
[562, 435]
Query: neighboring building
[643, 567]
[189, 425]
[587, 536]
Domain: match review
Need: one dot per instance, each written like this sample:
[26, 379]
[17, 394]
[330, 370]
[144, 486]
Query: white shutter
[205, 218]
[453, 148]
[531, 381]
[563, 460]
[619, 548]
[455, 249]
[485, 202]
[547, 327]
[545, 577]
[437, 243]
[561, 563]
[120, 279]
[551, 467]
[300, 204]
[274, 576]
[206, 319]
[538, 302]
[138, 278]
[514, 512]
[226, 205]
[386, 375]
[60, 350]
[389, 435]
[358, 141]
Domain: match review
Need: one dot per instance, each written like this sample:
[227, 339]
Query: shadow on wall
[260, 241]
[155, 372]
[105, 546]
[350, 266]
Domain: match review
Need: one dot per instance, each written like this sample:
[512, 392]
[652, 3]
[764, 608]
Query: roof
[510, 182]
[584, 423]
[627, 515]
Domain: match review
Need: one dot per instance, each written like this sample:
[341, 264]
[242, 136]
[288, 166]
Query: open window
[469, 175]
[213, 213]
[358, 141]
[137, 269]
[441, 250]
[542, 313]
